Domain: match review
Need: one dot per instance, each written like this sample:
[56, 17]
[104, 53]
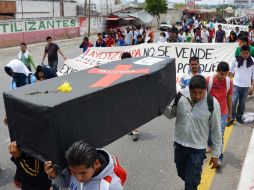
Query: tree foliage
[156, 7]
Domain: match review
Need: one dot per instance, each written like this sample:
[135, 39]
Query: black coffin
[104, 104]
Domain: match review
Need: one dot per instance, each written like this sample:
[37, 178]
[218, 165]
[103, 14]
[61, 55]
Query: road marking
[208, 173]
[247, 176]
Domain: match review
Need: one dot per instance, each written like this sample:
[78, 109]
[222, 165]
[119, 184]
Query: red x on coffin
[114, 75]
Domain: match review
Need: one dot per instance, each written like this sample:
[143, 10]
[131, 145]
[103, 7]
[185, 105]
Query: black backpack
[29, 81]
[210, 101]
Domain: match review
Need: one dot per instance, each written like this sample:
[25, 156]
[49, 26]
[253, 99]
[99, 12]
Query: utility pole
[107, 7]
[223, 11]
[85, 8]
[61, 8]
[89, 18]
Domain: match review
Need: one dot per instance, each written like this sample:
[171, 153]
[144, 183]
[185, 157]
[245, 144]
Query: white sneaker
[219, 163]
[135, 136]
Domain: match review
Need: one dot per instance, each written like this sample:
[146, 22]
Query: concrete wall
[98, 24]
[102, 7]
[172, 15]
[13, 32]
[40, 9]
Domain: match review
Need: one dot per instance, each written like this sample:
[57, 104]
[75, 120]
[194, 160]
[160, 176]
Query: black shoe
[229, 123]
[240, 120]
[135, 136]
[130, 133]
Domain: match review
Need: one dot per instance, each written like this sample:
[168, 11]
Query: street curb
[44, 43]
[247, 175]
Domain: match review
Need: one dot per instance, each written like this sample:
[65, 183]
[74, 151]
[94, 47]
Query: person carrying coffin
[29, 172]
[88, 168]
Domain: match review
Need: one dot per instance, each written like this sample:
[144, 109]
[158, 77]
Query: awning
[129, 18]
[113, 18]
[144, 16]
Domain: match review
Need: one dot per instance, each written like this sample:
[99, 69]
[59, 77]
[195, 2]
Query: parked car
[165, 25]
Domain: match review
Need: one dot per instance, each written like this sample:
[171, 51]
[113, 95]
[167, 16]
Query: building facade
[105, 7]
[240, 4]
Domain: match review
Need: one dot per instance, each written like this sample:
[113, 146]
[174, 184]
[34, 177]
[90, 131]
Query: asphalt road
[149, 161]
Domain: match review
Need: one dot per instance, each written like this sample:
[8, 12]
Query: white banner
[229, 27]
[209, 55]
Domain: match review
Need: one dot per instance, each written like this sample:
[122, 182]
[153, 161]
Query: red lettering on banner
[177, 79]
[105, 55]
[136, 53]
[92, 54]
[114, 75]
[97, 54]
[115, 55]
[87, 51]
[109, 55]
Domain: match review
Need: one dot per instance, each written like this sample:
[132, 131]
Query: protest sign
[229, 27]
[209, 55]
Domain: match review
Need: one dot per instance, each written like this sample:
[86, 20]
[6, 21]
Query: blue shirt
[14, 86]
[185, 80]
[121, 43]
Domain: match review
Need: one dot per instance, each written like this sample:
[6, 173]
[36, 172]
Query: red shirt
[110, 42]
[219, 91]
[211, 32]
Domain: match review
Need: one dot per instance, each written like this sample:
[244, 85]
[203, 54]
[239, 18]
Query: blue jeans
[223, 125]
[189, 163]
[53, 64]
[239, 97]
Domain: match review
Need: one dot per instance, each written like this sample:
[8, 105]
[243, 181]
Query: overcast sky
[198, 2]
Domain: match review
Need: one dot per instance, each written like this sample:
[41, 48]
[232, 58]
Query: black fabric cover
[45, 125]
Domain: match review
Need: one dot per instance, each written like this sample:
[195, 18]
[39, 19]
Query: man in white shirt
[162, 38]
[204, 35]
[243, 69]
[237, 31]
[128, 37]
[181, 36]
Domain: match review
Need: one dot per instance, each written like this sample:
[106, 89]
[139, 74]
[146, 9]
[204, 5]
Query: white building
[105, 7]
[240, 4]
[44, 8]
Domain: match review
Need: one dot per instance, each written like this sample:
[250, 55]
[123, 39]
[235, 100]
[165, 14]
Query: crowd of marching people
[216, 102]
[187, 31]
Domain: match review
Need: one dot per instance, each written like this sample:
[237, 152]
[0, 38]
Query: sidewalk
[92, 38]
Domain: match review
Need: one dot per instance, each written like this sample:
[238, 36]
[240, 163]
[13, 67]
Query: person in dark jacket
[30, 173]
[44, 72]
[85, 44]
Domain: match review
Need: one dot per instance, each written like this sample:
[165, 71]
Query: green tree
[156, 7]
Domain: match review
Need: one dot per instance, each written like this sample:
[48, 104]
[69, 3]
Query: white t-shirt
[128, 38]
[167, 35]
[183, 37]
[204, 36]
[243, 75]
